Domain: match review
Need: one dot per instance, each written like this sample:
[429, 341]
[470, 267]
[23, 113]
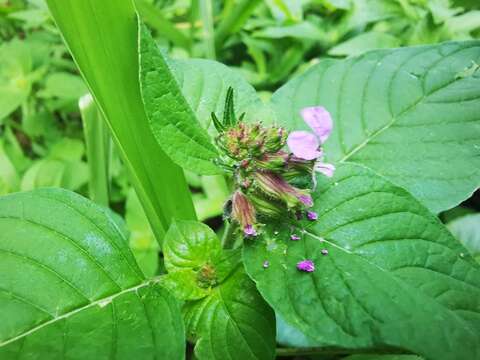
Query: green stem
[206, 12]
[228, 239]
[290, 352]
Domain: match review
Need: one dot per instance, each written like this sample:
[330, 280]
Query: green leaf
[467, 230]
[154, 17]
[15, 67]
[190, 245]
[71, 287]
[409, 114]
[230, 320]
[64, 86]
[103, 39]
[173, 121]
[233, 322]
[8, 174]
[394, 277]
[364, 42]
[303, 30]
[204, 83]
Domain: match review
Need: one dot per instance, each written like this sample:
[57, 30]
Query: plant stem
[228, 239]
[290, 352]
[206, 12]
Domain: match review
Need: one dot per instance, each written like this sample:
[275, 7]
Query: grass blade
[102, 37]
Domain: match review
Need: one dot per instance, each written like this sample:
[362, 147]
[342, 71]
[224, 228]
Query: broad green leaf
[233, 322]
[172, 120]
[190, 245]
[394, 277]
[70, 287]
[409, 114]
[467, 230]
[102, 37]
[228, 318]
[204, 84]
[364, 42]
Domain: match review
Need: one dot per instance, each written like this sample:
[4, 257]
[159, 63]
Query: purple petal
[294, 237]
[319, 119]
[249, 230]
[306, 200]
[306, 265]
[324, 168]
[304, 145]
[312, 215]
[266, 264]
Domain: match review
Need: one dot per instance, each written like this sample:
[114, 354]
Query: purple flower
[249, 231]
[266, 264]
[306, 265]
[306, 145]
[294, 237]
[312, 215]
[306, 200]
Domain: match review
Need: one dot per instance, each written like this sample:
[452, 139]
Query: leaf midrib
[410, 107]
[452, 311]
[100, 302]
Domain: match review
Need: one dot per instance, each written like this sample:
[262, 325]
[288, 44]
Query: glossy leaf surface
[70, 286]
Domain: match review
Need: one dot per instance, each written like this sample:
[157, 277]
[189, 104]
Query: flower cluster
[266, 175]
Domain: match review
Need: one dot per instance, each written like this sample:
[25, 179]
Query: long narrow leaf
[102, 37]
[98, 144]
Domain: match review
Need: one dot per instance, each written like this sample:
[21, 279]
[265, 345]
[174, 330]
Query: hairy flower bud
[276, 187]
[275, 161]
[242, 210]
[267, 207]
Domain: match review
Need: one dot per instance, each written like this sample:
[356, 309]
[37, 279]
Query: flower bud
[276, 187]
[207, 276]
[242, 210]
[275, 161]
[267, 207]
[275, 139]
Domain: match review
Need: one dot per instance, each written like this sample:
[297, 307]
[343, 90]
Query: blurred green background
[42, 136]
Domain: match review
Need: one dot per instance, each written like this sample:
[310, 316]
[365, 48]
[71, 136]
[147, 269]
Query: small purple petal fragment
[324, 168]
[312, 215]
[324, 251]
[306, 266]
[304, 145]
[306, 200]
[266, 264]
[250, 231]
[319, 120]
[294, 237]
